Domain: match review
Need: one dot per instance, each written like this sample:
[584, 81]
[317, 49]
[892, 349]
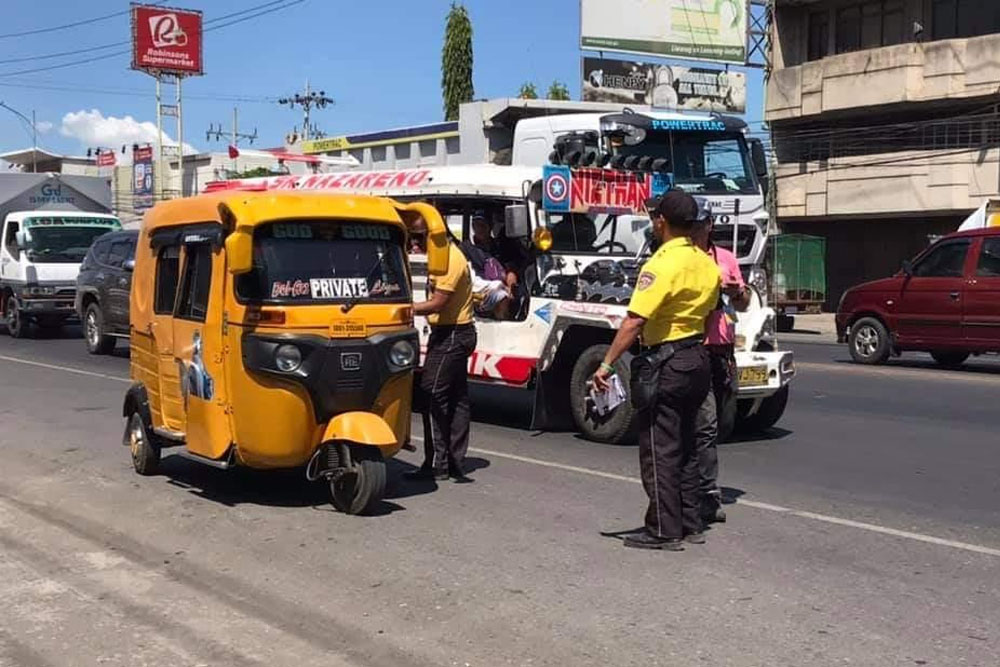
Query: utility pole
[234, 135]
[307, 100]
[34, 134]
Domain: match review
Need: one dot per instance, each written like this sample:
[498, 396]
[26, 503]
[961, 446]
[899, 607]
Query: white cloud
[43, 126]
[93, 129]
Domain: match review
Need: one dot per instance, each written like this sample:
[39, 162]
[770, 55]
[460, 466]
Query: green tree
[253, 173]
[558, 91]
[528, 91]
[456, 61]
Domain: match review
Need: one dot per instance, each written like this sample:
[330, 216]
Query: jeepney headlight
[287, 358]
[402, 354]
[758, 280]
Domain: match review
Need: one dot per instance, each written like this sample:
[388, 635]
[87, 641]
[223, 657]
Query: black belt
[674, 346]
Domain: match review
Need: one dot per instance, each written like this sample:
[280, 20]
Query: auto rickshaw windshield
[326, 261]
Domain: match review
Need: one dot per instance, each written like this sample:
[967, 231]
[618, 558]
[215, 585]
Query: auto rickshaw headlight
[287, 358]
[402, 354]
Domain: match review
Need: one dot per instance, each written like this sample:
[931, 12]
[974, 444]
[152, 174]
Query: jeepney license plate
[349, 329]
[753, 376]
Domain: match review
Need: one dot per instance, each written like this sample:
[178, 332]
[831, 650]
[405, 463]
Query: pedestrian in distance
[676, 290]
[718, 412]
[444, 380]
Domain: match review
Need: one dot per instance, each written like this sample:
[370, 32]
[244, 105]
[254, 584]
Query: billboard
[142, 178]
[166, 40]
[663, 86]
[713, 30]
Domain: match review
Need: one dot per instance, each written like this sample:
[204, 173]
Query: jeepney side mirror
[516, 223]
[239, 252]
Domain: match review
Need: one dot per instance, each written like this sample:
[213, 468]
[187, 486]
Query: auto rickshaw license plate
[753, 376]
[349, 329]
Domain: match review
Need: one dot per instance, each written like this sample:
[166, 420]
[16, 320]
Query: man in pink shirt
[720, 339]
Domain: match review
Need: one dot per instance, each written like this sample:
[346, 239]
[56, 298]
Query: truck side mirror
[239, 252]
[758, 158]
[516, 223]
[20, 238]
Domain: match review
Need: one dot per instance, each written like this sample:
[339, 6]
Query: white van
[40, 256]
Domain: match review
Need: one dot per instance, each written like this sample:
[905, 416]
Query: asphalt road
[865, 530]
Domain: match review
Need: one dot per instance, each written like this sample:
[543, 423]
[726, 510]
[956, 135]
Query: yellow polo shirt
[676, 290]
[458, 281]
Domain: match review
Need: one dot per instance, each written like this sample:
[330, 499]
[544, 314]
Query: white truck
[578, 287]
[48, 224]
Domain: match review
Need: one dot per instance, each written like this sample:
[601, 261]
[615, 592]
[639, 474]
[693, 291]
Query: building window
[964, 18]
[866, 25]
[401, 151]
[819, 35]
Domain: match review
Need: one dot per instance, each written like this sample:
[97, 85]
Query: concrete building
[886, 124]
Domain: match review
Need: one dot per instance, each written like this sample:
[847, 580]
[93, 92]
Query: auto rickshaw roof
[259, 207]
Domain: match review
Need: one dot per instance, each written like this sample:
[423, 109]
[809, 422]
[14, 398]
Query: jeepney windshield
[702, 162]
[585, 233]
[63, 239]
[313, 262]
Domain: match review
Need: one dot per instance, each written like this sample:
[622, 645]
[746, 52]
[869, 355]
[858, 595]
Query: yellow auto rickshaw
[275, 330]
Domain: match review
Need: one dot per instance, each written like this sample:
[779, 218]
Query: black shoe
[695, 538]
[458, 475]
[645, 540]
[718, 515]
[426, 475]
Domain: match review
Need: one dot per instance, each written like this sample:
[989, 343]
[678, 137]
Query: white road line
[66, 369]
[902, 372]
[850, 523]
[768, 507]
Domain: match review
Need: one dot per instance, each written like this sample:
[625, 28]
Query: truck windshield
[63, 244]
[316, 262]
[702, 162]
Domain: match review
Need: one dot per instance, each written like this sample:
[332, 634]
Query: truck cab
[40, 256]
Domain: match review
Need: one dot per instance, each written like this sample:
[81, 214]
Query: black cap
[675, 204]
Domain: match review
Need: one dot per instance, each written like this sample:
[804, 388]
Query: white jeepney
[578, 290]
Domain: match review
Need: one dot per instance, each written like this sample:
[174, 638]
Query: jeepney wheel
[17, 324]
[145, 454]
[357, 490]
[615, 427]
[98, 342]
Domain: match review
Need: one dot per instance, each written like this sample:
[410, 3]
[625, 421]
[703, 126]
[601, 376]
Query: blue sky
[379, 59]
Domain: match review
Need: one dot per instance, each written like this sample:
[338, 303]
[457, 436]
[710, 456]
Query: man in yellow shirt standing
[676, 290]
[444, 380]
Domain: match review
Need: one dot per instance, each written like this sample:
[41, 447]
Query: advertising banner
[106, 159]
[166, 40]
[142, 178]
[713, 30]
[663, 86]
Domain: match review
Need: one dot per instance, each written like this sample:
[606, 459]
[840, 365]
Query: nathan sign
[166, 40]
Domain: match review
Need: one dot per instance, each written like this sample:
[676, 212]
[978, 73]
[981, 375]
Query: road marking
[900, 372]
[767, 507]
[67, 369]
[850, 523]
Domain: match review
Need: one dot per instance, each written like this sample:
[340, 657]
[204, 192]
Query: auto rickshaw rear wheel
[358, 489]
[145, 453]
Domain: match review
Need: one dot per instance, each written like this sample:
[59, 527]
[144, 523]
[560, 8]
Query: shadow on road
[773, 433]
[66, 332]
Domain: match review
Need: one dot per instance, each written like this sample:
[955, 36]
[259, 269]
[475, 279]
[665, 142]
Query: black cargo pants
[445, 386]
[668, 458]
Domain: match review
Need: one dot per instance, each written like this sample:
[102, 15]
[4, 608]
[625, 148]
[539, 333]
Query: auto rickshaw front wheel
[145, 453]
[358, 489]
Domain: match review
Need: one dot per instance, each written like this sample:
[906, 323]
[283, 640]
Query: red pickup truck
[946, 301]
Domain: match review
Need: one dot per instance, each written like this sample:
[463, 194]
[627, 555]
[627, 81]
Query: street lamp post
[34, 134]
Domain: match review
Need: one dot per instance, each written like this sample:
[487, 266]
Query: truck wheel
[950, 359]
[97, 341]
[771, 410]
[17, 325]
[145, 453]
[616, 426]
[359, 490]
[786, 323]
[868, 341]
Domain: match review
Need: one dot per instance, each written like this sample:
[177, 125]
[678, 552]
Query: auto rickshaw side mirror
[239, 252]
[437, 234]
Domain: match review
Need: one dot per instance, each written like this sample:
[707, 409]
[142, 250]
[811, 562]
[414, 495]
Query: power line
[133, 92]
[39, 31]
[265, 8]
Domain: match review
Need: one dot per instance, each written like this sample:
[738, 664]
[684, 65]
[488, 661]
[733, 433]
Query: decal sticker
[195, 380]
[545, 313]
[338, 288]
[288, 288]
[366, 232]
[645, 280]
[292, 231]
[383, 288]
